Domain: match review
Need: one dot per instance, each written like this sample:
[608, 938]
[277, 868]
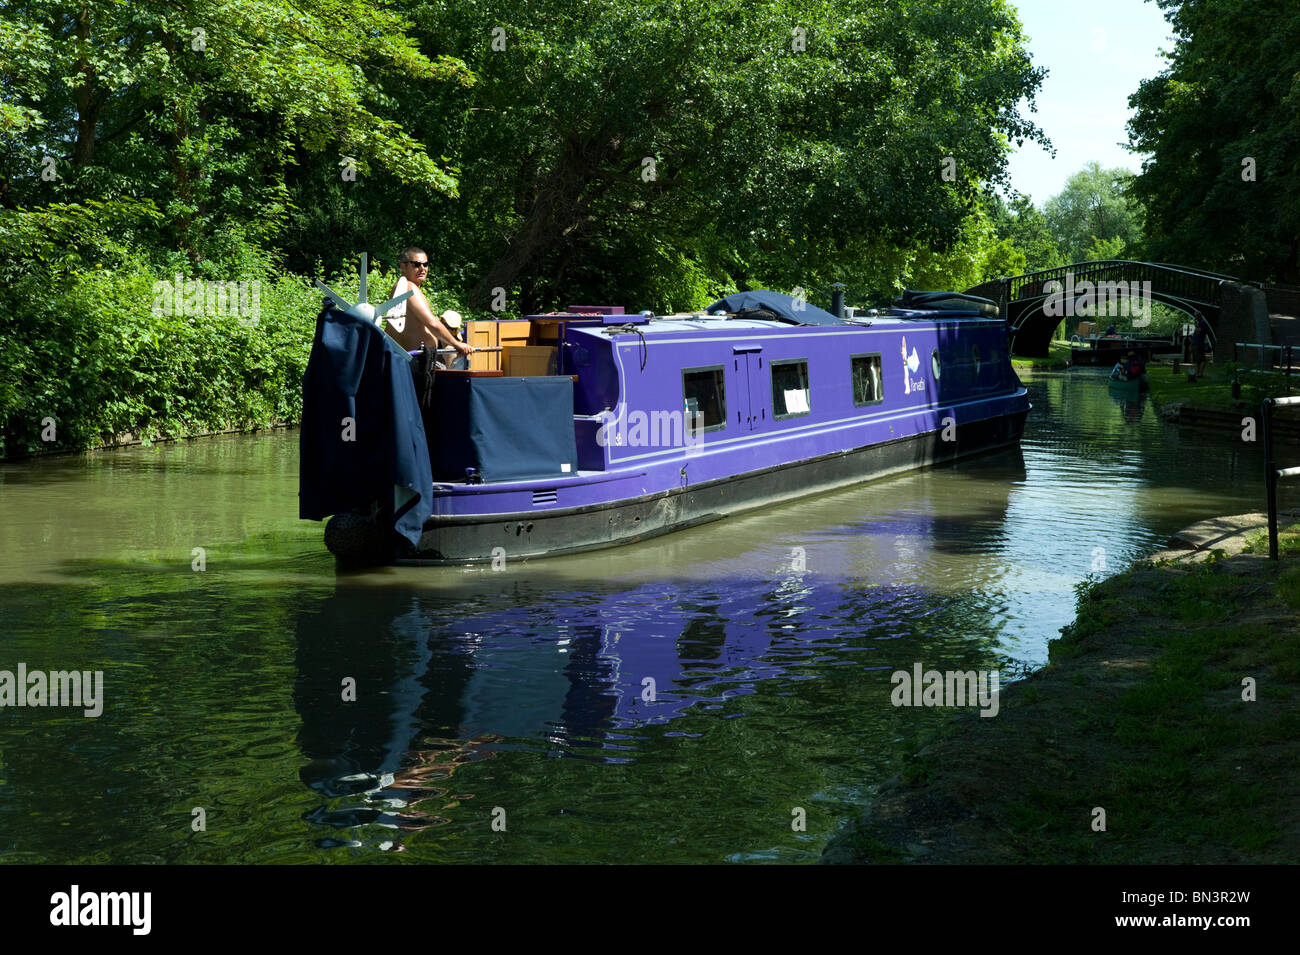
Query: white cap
[452, 319]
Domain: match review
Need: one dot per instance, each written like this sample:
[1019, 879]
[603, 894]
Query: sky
[1096, 53]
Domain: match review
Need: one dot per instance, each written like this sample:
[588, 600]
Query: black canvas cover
[947, 301]
[356, 372]
[783, 306]
[508, 429]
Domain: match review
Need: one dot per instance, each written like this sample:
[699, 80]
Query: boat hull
[460, 539]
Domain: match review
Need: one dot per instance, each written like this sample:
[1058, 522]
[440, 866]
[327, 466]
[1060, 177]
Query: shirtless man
[412, 322]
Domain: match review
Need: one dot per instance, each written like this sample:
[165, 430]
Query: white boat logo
[911, 364]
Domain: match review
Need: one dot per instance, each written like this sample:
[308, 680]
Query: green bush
[107, 354]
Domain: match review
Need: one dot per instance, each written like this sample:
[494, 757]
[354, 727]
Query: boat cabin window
[705, 398]
[934, 363]
[975, 356]
[790, 396]
[868, 388]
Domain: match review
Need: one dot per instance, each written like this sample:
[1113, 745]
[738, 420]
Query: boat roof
[797, 311]
[676, 324]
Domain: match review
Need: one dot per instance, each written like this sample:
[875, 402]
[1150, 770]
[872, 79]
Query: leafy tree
[781, 135]
[152, 137]
[1027, 228]
[1003, 258]
[981, 255]
[1222, 128]
[1095, 204]
[199, 105]
[1103, 249]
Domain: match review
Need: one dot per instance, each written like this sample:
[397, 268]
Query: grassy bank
[1140, 713]
[1058, 356]
[1214, 390]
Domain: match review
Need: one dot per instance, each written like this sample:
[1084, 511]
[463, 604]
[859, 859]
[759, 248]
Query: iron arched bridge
[1036, 302]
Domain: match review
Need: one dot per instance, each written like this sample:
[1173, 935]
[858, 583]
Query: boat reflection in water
[573, 659]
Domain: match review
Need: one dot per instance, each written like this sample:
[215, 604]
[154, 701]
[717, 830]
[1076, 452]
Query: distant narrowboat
[598, 428]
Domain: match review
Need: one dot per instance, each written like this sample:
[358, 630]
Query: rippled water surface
[675, 700]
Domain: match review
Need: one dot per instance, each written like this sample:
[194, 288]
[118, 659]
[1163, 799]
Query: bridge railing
[1195, 271]
[1193, 285]
[1272, 473]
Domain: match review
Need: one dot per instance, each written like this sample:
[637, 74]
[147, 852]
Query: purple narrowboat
[621, 427]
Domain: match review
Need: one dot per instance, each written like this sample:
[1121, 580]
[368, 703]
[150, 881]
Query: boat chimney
[837, 300]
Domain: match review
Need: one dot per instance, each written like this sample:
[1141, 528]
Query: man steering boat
[412, 323]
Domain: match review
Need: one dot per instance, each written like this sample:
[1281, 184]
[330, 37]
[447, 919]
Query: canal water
[719, 695]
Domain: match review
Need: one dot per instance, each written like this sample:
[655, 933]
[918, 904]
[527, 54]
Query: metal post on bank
[1272, 474]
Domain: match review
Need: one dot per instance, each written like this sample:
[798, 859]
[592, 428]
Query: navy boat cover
[947, 301]
[356, 371]
[508, 429]
[782, 305]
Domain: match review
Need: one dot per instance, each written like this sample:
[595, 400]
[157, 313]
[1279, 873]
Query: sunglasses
[418, 265]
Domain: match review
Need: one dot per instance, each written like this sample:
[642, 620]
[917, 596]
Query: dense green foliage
[1094, 216]
[792, 144]
[654, 154]
[1025, 228]
[118, 369]
[1222, 125]
[143, 141]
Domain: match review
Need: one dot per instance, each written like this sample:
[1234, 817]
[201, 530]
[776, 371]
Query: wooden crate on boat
[529, 360]
[546, 331]
[483, 335]
[514, 331]
[490, 333]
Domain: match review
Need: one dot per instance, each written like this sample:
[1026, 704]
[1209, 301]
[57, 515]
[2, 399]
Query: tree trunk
[555, 211]
[88, 108]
